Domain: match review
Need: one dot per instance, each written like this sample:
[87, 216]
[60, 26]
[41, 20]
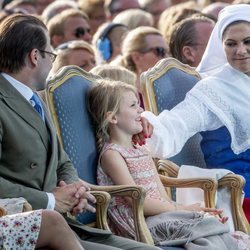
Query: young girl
[116, 114]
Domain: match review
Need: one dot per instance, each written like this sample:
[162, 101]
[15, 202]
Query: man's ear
[111, 118]
[33, 57]
[188, 53]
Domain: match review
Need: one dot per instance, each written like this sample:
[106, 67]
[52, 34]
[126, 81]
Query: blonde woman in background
[79, 53]
[116, 73]
[142, 48]
[134, 18]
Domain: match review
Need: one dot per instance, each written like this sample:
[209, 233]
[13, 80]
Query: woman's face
[236, 43]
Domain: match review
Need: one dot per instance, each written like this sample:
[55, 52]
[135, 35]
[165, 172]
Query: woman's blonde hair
[133, 18]
[135, 41]
[63, 51]
[116, 73]
[103, 97]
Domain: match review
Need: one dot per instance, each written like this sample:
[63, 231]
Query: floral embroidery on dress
[20, 231]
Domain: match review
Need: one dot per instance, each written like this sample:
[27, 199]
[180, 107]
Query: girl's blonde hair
[103, 97]
[116, 73]
[135, 41]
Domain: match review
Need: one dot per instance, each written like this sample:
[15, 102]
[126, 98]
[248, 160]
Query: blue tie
[37, 105]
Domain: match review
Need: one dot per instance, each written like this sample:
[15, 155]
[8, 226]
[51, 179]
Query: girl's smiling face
[129, 114]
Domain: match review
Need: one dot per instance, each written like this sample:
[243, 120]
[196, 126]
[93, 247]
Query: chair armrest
[137, 194]
[209, 186]
[102, 203]
[27, 207]
[167, 168]
[235, 184]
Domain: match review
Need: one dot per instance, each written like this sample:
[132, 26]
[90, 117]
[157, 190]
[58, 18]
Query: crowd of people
[118, 40]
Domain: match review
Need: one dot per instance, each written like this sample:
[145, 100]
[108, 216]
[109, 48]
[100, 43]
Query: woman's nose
[242, 49]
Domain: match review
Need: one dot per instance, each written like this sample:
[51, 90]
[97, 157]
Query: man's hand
[84, 195]
[147, 130]
[65, 197]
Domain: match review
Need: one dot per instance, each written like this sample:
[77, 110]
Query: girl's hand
[211, 211]
[147, 130]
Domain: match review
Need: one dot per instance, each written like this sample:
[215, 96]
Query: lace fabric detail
[229, 101]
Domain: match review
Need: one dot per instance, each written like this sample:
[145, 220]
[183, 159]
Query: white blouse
[173, 128]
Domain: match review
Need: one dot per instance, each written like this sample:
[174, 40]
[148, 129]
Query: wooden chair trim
[138, 195]
[235, 184]
[102, 203]
[148, 78]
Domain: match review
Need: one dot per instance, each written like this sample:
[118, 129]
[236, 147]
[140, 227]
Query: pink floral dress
[20, 231]
[140, 165]
[141, 168]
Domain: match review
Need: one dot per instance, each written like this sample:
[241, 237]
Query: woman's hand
[147, 130]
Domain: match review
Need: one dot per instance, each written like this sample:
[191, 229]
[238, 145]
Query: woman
[218, 101]
[142, 48]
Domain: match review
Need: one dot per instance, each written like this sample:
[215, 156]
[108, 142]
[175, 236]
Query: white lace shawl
[227, 95]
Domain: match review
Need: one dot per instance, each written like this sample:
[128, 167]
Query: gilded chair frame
[102, 193]
[148, 78]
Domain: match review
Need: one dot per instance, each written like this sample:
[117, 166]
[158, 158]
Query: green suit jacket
[31, 159]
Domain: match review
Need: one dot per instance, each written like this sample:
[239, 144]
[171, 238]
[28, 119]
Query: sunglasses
[80, 32]
[158, 51]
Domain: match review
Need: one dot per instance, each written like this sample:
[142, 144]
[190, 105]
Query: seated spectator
[107, 41]
[142, 48]
[213, 9]
[189, 39]
[57, 7]
[134, 18]
[95, 11]
[79, 53]
[36, 229]
[218, 105]
[116, 73]
[155, 8]
[113, 7]
[70, 24]
[173, 15]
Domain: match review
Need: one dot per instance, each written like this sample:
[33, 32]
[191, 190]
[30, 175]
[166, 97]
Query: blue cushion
[76, 129]
[170, 89]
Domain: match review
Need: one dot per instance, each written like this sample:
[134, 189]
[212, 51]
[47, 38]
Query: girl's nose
[140, 109]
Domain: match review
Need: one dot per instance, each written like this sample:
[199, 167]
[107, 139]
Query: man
[32, 163]
[189, 39]
[70, 24]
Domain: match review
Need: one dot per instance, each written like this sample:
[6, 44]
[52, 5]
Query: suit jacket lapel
[22, 108]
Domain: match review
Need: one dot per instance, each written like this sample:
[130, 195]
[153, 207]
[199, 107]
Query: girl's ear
[111, 117]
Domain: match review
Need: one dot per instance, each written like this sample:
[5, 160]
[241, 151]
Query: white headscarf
[226, 91]
[214, 57]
